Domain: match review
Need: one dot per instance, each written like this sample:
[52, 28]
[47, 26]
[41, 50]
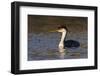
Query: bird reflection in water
[62, 53]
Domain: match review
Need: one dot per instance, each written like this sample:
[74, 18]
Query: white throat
[61, 44]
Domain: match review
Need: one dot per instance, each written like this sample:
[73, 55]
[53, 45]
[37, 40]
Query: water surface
[44, 46]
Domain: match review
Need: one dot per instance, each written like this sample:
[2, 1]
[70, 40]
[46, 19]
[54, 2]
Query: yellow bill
[53, 31]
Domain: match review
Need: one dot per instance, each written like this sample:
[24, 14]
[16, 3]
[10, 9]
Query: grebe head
[62, 28]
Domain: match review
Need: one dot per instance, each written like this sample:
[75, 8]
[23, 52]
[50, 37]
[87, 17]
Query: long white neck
[63, 37]
[61, 44]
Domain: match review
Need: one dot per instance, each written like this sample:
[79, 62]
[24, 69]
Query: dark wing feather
[71, 44]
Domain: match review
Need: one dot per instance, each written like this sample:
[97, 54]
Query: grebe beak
[54, 31]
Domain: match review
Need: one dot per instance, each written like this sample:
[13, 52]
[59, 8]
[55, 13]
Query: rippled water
[44, 46]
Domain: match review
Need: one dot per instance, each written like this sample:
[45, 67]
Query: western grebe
[69, 43]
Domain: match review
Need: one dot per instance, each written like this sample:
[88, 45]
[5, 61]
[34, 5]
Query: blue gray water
[44, 46]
